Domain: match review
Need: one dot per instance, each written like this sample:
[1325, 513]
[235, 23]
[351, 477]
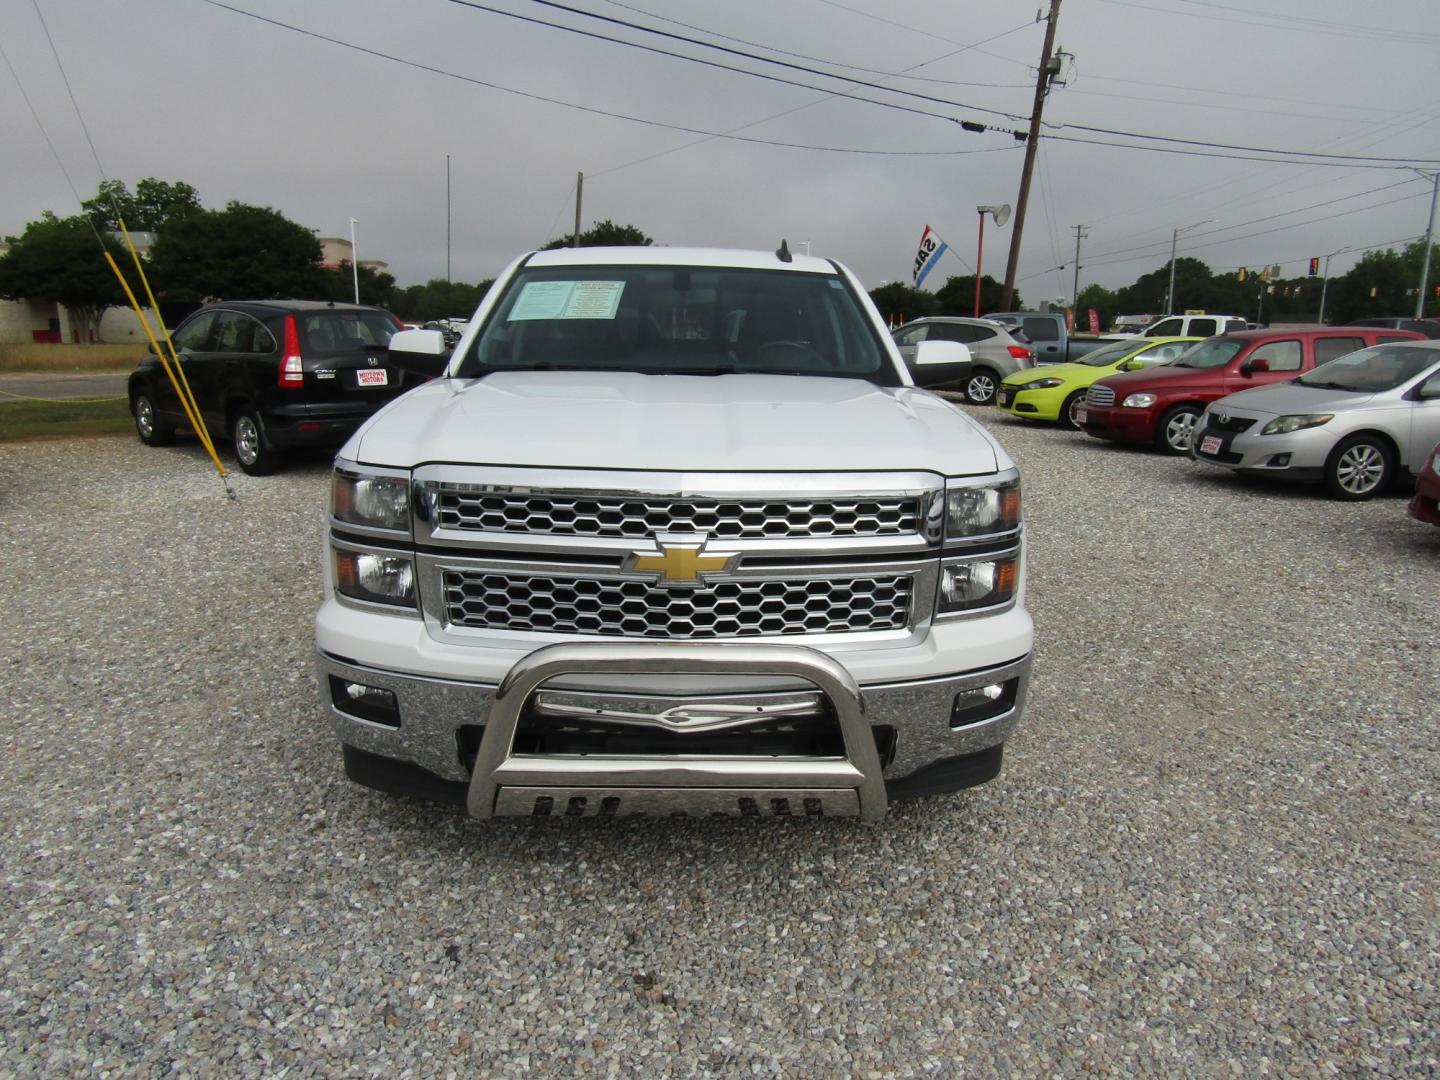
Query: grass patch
[30, 356]
[50, 419]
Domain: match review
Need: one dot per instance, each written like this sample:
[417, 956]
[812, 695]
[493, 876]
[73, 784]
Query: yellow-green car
[1054, 391]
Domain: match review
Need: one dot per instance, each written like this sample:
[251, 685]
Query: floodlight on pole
[1174, 239]
[354, 259]
[1001, 214]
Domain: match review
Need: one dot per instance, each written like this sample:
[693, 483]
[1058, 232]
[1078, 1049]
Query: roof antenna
[784, 253]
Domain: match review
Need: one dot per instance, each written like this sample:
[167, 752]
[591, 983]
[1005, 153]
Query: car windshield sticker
[567, 300]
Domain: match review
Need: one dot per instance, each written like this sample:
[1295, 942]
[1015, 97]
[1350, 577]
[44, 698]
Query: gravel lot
[1213, 850]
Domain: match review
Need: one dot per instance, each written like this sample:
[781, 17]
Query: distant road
[51, 386]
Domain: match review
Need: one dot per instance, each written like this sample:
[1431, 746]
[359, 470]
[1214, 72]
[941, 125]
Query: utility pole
[1081, 231]
[1429, 233]
[354, 259]
[447, 217]
[579, 187]
[1032, 145]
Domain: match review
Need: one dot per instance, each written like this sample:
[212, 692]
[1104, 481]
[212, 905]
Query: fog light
[982, 703]
[371, 703]
[1280, 461]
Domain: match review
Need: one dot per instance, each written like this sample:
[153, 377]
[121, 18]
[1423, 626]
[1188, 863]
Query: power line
[592, 110]
[1209, 154]
[926, 33]
[1233, 146]
[1348, 30]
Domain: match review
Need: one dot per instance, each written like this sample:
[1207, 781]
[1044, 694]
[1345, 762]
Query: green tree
[439, 299]
[59, 260]
[957, 296]
[605, 234]
[899, 303]
[1105, 303]
[153, 205]
[241, 252]
[1383, 283]
[377, 288]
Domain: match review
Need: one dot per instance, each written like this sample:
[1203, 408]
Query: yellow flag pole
[193, 409]
[164, 363]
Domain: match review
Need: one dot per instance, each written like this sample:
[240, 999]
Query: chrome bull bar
[506, 783]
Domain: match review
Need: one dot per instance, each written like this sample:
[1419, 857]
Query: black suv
[273, 374]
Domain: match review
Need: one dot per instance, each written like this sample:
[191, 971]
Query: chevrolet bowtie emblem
[680, 559]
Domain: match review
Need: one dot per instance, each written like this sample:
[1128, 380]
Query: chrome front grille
[477, 509]
[609, 607]
[1100, 395]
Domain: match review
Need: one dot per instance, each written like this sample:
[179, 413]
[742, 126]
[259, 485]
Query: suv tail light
[292, 367]
[1019, 352]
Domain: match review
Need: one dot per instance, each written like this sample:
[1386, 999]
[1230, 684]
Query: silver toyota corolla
[1351, 423]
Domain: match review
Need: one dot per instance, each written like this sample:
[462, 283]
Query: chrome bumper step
[507, 784]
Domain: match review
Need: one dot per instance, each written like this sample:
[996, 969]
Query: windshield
[679, 320]
[1217, 352]
[1371, 371]
[1109, 354]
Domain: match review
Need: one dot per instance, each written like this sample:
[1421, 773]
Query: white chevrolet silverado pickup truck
[672, 532]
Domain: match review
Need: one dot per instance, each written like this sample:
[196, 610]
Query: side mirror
[1250, 367]
[941, 352]
[1134, 364]
[420, 352]
[1429, 389]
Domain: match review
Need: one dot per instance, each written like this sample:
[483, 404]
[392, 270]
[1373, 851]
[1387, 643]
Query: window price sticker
[567, 300]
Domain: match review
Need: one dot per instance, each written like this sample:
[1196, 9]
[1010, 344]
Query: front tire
[1359, 468]
[1066, 419]
[256, 458]
[980, 387]
[1177, 428]
[148, 425]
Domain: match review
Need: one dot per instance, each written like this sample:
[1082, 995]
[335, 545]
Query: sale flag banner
[931, 249]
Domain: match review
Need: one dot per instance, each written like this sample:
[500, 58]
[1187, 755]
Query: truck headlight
[1138, 401]
[966, 586]
[1283, 425]
[371, 500]
[982, 510]
[375, 576]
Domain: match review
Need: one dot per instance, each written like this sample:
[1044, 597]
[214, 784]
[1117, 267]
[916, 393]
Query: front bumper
[1425, 503]
[1027, 404]
[1120, 424]
[1296, 455]
[903, 737]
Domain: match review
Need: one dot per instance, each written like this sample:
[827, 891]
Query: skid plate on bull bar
[496, 766]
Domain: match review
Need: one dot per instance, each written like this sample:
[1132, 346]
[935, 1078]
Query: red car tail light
[292, 367]
[1019, 352]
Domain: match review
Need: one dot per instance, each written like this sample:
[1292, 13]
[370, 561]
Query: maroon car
[1425, 504]
[1160, 405]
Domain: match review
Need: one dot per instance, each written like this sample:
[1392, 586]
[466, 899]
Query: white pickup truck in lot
[673, 532]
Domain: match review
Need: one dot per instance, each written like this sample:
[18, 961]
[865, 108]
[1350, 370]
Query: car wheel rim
[982, 388]
[247, 440]
[1075, 406]
[1179, 431]
[1360, 468]
[145, 416]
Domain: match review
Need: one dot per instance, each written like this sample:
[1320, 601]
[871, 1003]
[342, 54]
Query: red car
[1425, 505]
[1160, 405]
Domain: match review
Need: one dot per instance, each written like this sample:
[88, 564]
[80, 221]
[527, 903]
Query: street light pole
[1429, 233]
[979, 255]
[354, 260]
[1325, 285]
[1175, 239]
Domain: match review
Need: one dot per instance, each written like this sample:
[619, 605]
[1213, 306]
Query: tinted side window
[194, 334]
[952, 332]
[1281, 355]
[238, 333]
[1202, 328]
[1232, 325]
[912, 335]
[1166, 328]
[982, 333]
[1040, 329]
[1328, 348]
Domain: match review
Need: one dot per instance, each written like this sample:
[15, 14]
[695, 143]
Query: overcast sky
[241, 109]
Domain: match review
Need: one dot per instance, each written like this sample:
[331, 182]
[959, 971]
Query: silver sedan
[1351, 424]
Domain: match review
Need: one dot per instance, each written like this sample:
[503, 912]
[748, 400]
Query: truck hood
[625, 420]
[1281, 399]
